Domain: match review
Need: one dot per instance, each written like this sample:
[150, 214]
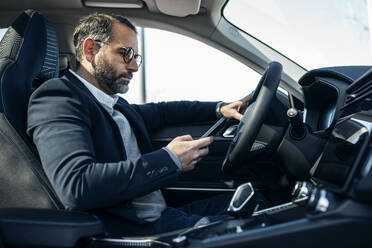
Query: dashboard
[331, 94]
[333, 160]
[330, 153]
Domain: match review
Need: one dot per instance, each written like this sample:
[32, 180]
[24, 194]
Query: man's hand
[236, 109]
[189, 151]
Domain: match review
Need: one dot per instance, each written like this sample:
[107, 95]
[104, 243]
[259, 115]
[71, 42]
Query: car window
[314, 34]
[180, 68]
[2, 32]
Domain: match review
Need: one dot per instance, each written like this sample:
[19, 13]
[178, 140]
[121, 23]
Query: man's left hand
[236, 109]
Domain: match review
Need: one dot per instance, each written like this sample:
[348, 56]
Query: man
[95, 147]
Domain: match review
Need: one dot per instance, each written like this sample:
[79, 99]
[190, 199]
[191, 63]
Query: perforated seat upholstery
[28, 57]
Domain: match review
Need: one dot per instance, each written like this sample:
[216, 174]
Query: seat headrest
[28, 57]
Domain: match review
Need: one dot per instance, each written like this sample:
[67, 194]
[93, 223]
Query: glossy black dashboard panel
[332, 97]
[321, 102]
[325, 92]
[341, 155]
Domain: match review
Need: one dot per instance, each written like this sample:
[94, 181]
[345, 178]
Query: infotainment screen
[340, 157]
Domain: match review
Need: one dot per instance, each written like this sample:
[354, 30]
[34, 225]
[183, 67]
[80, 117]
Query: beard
[107, 78]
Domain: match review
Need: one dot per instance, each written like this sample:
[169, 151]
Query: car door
[208, 179]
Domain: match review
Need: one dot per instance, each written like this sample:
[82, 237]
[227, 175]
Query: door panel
[207, 178]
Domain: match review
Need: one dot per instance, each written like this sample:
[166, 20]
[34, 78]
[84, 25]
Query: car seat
[31, 215]
[28, 57]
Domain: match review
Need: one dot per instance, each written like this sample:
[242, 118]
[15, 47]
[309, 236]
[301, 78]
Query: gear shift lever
[243, 201]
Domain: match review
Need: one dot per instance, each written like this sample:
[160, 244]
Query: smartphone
[215, 128]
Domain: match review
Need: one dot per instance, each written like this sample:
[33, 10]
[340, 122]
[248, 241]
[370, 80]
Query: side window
[2, 32]
[181, 68]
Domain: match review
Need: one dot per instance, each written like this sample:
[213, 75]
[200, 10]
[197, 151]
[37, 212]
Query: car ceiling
[163, 11]
[201, 16]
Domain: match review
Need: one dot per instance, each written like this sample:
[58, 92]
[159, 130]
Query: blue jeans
[211, 209]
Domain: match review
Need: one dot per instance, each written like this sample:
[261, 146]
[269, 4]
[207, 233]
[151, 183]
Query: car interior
[306, 148]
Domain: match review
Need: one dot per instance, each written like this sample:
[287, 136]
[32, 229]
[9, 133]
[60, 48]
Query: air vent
[359, 95]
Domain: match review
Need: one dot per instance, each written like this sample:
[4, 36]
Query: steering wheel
[253, 117]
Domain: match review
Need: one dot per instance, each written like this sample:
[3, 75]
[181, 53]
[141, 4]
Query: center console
[315, 217]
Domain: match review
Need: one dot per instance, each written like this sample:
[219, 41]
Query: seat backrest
[28, 57]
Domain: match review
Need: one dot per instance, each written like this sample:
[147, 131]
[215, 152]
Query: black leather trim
[46, 228]
[345, 73]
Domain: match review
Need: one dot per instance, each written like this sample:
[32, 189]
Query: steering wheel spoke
[244, 141]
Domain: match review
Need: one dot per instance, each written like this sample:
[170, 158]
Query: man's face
[111, 72]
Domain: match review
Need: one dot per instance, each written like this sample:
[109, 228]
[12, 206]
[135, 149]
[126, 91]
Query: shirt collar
[108, 101]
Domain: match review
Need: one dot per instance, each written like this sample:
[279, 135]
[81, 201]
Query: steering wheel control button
[297, 130]
[243, 201]
[257, 146]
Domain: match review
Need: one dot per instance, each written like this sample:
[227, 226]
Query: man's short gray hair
[98, 26]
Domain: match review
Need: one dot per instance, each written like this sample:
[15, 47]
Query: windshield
[317, 33]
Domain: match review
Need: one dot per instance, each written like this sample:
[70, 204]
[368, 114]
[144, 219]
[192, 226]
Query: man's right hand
[189, 151]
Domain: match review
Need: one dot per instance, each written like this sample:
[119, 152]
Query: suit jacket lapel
[138, 125]
[135, 120]
[70, 77]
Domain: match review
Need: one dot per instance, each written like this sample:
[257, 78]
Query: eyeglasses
[128, 55]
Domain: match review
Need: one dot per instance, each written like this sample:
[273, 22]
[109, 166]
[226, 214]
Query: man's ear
[90, 49]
